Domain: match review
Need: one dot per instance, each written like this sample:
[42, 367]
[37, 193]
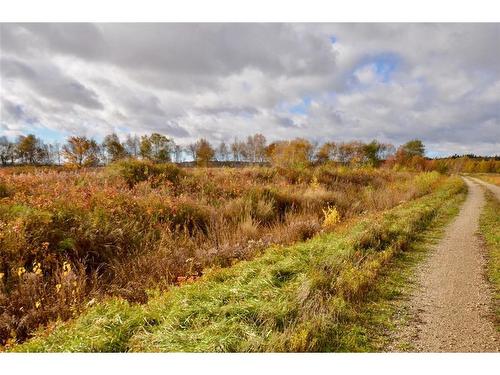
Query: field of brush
[142, 256]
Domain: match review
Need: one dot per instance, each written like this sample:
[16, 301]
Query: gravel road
[451, 308]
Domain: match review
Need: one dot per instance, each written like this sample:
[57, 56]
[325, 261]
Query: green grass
[490, 230]
[310, 296]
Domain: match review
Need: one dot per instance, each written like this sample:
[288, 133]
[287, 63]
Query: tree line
[81, 151]
[84, 151]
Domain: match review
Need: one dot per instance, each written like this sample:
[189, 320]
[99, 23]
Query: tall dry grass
[68, 238]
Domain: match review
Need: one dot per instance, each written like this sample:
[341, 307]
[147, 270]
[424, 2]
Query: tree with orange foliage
[326, 152]
[81, 152]
[204, 152]
[411, 155]
[296, 153]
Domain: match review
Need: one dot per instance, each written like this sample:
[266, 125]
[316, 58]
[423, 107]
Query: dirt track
[451, 308]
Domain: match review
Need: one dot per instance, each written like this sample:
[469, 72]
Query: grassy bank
[490, 230]
[492, 178]
[303, 297]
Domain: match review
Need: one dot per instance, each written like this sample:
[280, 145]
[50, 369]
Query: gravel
[451, 308]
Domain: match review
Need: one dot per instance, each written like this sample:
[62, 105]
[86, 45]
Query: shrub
[424, 182]
[264, 174]
[296, 174]
[234, 210]
[314, 199]
[4, 190]
[300, 229]
[263, 211]
[260, 205]
[134, 171]
[284, 200]
[167, 172]
[330, 217]
[192, 216]
[332, 177]
[248, 228]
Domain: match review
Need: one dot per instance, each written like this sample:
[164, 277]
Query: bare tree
[238, 150]
[191, 150]
[132, 145]
[55, 153]
[7, 151]
[177, 153]
[255, 148]
[222, 152]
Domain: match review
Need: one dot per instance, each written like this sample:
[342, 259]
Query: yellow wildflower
[331, 217]
[58, 287]
[38, 304]
[37, 268]
[66, 268]
[21, 271]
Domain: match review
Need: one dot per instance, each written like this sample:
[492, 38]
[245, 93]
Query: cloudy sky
[392, 82]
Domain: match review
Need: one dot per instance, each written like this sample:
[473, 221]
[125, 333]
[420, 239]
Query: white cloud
[439, 82]
[367, 74]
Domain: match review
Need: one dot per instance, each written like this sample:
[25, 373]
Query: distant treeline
[80, 151]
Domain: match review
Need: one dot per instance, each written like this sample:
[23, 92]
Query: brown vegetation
[68, 237]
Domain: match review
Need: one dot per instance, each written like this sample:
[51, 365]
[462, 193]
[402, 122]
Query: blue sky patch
[384, 65]
[301, 108]
[49, 135]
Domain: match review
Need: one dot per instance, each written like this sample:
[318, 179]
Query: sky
[325, 82]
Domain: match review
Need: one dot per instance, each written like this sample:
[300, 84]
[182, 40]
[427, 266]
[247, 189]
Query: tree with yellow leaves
[81, 152]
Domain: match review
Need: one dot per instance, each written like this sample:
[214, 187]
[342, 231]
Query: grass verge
[492, 178]
[305, 297]
[489, 225]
